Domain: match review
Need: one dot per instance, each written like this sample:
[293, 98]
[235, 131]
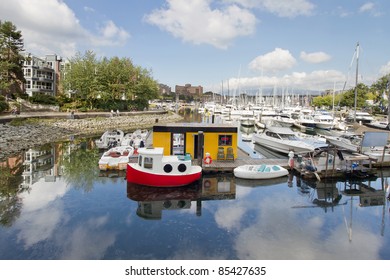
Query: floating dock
[242, 159]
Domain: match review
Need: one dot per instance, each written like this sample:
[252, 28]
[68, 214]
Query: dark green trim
[191, 127]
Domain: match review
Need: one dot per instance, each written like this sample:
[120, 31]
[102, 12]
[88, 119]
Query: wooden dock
[242, 159]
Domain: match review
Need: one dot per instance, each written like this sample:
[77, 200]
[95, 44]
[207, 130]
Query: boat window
[167, 168]
[148, 162]
[182, 167]
[225, 140]
[140, 160]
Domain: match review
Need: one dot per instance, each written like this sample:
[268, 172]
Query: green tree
[80, 77]
[109, 83]
[348, 97]
[11, 59]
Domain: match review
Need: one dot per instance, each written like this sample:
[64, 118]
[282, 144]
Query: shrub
[3, 104]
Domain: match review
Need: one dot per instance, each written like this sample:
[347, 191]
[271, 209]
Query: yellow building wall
[211, 143]
[162, 139]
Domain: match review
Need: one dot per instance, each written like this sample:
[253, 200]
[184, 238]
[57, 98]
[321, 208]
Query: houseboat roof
[195, 127]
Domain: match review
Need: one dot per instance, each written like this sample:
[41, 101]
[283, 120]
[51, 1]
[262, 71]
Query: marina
[68, 204]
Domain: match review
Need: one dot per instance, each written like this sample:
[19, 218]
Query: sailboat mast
[357, 74]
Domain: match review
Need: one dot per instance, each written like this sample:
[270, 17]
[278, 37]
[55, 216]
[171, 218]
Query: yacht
[323, 120]
[284, 140]
[361, 117]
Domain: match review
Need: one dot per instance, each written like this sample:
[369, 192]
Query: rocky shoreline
[29, 133]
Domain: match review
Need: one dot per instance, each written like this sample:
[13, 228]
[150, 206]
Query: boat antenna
[357, 74]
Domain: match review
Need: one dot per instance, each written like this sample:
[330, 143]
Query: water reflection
[153, 201]
[56, 204]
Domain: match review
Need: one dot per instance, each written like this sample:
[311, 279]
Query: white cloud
[274, 61]
[196, 22]
[282, 8]
[369, 6]
[315, 57]
[385, 69]
[50, 26]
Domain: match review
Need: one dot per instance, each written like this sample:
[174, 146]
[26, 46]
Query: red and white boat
[156, 170]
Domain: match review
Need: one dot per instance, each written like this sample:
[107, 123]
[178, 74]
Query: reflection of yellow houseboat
[220, 140]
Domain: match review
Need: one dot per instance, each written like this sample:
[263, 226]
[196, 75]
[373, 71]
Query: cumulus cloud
[385, 69]
[281, 8]
[50, 26]
[315, 57]
[274, 61]
[196, 22]
[366, 7]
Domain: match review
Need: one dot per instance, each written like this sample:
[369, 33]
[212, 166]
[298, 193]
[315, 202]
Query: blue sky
[246, 44]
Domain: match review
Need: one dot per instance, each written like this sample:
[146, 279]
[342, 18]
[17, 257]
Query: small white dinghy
[264, 171]
[116, 158]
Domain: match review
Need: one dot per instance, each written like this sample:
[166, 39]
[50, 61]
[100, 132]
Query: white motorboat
[136, 139]
[305, 120]
[361, 117]
[110, 138]
[344, 142]
[324, 121]
[264, 171]
[284, 140]
[116, 158]
[284, 120]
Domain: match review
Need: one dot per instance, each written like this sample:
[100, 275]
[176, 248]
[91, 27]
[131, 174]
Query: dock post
[200, 147]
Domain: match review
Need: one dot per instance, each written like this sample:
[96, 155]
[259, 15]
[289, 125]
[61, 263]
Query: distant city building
[42, 74]
[164, 89]
[189, 90]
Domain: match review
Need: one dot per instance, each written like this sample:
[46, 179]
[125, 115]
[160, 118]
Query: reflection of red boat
[144, 193]
[155, 169]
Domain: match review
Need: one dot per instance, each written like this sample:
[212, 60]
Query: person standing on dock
[291, 159]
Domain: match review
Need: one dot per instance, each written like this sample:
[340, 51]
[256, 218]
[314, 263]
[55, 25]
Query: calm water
[56, 204]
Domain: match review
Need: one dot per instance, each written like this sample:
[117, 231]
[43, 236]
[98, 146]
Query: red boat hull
[158, 180]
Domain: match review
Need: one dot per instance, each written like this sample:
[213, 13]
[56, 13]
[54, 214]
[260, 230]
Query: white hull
[256, 172]
[116, 158]
[297, 146]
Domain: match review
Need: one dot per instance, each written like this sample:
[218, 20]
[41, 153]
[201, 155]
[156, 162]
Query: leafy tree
[3, 104]
[348, 98]
[109, 83]
[11, 59]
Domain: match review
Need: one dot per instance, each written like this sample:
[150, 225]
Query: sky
[226, 46]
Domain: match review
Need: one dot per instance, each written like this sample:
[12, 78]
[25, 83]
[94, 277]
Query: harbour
[68, 204]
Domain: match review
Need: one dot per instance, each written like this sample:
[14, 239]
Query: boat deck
[242, 159]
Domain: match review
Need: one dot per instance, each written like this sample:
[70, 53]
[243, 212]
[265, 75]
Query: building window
[225, 140]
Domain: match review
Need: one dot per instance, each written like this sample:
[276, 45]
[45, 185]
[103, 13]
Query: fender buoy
[207, 160]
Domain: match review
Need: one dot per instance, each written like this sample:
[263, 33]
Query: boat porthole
[182, 167]
[168, 168]
[167, 204]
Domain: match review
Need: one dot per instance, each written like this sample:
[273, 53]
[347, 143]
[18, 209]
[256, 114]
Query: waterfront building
[41, 74]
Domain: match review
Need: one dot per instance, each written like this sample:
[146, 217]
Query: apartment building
[188, 89]
[42, 74]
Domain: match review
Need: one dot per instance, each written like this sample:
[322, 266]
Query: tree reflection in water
[10, 188]
[80, 168]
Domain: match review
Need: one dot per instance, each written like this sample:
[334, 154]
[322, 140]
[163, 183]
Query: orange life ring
[207, 160]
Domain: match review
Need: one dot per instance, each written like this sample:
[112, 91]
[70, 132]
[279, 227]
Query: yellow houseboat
[197, 140]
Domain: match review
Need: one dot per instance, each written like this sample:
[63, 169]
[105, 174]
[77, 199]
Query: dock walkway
[242, 159]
